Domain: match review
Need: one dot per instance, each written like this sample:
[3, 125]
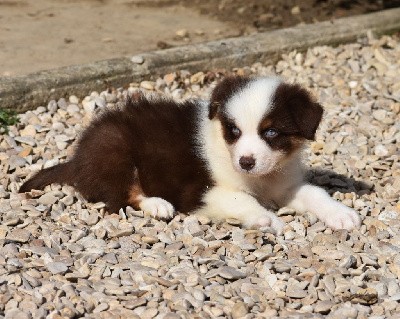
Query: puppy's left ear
[304, 110]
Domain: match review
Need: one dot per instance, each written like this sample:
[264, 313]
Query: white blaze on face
[247, 108]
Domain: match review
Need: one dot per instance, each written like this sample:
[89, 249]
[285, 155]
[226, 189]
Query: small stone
[182, 33]
[100, 101]
[239, 310]
[89, 218]
[281, 266]
[323, 307]
[331, 147]
[73, 99]
[344, 312]
[132, 304]
[381, 150]
[101, 307]
[149, 239]
[285, 211]
[353, 84]
[26, 140]
[19, 235]
[348, 262]
[29, 130]
[295, 10]
[56, 267]
[379, 115]
[25, 151]
[47, 199]
[231, 273]
[148, 85]
[137, 59]
[197, 78]
[217, 312]
[233, 221]
[72, 109]
[89, 106]
[121, 232]
[67, 313]
[226, 272]
[317, 146]
[388, 215]
[295, 291]
[16, 161]
[169, 78]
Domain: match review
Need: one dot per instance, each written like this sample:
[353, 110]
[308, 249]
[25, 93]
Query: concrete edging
[27, 92]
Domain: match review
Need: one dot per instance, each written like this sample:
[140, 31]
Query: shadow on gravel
[332, 182]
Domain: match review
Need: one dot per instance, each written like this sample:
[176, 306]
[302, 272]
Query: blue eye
[235, 131]
[270, 133]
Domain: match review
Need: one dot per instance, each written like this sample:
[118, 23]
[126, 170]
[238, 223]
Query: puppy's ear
[223, 91]
[304, 110]
[213, 109]
[310, 118]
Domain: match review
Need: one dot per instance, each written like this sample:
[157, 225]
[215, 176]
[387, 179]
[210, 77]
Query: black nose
[247, 162]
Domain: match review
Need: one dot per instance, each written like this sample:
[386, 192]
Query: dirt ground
[45, 34]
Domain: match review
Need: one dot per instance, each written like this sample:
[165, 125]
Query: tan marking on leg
[136, 194]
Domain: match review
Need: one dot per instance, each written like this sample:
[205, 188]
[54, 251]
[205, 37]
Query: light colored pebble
[19, 235]
[56, 267]
[137, 59]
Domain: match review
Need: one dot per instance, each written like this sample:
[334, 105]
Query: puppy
[235, 156]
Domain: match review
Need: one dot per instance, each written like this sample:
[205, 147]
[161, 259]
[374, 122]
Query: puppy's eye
[234, 130]
[270, 133]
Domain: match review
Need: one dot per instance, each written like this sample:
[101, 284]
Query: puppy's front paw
[267, 219]
[157, 207]
[342, 217]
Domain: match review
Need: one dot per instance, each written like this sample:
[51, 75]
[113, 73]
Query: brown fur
[295, 112]
[153, 139]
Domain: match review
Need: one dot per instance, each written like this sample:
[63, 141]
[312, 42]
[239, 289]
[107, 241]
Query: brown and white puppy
[235, 156]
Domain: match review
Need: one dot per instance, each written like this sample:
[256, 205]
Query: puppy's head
[264, 121]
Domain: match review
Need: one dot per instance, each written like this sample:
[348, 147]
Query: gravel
[61, 256]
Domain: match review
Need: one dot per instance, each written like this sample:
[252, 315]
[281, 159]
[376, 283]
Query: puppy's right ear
[223, 91]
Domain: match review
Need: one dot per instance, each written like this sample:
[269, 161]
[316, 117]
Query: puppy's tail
[61, 174]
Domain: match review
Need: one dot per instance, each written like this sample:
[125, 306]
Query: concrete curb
[27, 92]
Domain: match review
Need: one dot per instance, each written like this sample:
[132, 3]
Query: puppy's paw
[342, 217]
[157, 207]
[267, 219]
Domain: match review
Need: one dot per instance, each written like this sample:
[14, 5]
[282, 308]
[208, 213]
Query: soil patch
[263, 15]
[45, 34]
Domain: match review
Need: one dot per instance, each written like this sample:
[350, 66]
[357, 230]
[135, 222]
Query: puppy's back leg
[156, 206]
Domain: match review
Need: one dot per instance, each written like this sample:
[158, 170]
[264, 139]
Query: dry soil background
[44, 34]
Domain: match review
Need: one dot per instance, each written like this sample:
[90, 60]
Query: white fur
[316, 200]
[249, 105]
[156, 207]
[213, 150]
[224, 202]
[247, 108]
[275, 179]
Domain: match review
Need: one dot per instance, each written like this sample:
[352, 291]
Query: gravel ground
[61, 257]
